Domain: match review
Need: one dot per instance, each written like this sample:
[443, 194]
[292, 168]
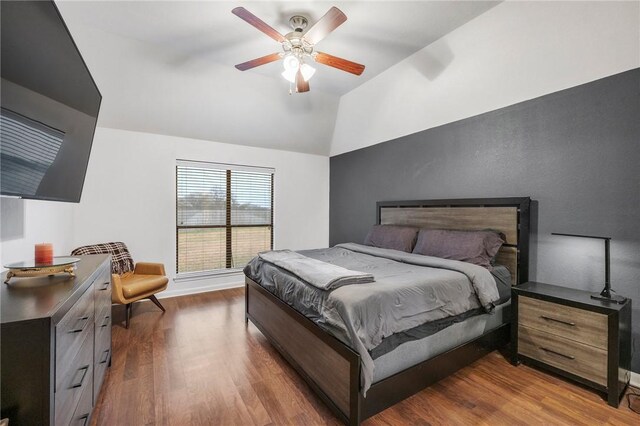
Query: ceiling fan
[298, 47]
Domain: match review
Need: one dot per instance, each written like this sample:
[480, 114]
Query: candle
[44, 253]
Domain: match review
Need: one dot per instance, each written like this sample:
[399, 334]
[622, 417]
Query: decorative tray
[28, 268]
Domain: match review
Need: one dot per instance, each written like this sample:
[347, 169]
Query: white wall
[514, 52]
[23, 223]
[129, 196]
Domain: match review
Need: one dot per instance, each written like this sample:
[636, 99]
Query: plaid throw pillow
[121, 261]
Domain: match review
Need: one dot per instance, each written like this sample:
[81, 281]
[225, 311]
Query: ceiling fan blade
[341, 64]
[252, 19]
[329, 22]
[301, 85]
[258, 61]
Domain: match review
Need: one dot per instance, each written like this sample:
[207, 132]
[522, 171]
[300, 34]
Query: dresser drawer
[572, 323]
[82, 414]
[102, 349]
[582, 360]
[102, 363]
[77, 379]
[72, 331]
[103, 324]
[103, 290]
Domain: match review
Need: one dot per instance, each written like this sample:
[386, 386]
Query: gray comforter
[322, 275]
[409, 290]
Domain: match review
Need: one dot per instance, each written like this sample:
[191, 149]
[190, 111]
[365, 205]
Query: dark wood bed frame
[332, 369]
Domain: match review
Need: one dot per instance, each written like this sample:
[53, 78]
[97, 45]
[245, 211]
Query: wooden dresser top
[47, 297]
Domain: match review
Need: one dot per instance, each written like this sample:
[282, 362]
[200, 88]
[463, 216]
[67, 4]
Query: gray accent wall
[576, 153]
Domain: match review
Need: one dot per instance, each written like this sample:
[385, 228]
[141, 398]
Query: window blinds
[224, 215]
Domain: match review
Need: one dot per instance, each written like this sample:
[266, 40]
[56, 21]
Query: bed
[337, 373]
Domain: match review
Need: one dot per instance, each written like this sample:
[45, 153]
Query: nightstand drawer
[576, 358]
[576, 324]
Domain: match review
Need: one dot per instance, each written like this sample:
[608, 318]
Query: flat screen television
[49, 105]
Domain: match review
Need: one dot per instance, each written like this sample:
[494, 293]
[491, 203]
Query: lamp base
[611, 299]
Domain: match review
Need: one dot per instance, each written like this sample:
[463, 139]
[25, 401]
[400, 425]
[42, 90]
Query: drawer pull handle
[80, 329]
[557, 353]
[106, 321]
[105, 356]
[106, 287]
[83, 420]
[84, 374]
[572, 324]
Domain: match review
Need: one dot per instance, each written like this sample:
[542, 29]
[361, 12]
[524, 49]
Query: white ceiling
[167, 66]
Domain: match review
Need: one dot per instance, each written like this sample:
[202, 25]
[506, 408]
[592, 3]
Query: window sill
[191, 276]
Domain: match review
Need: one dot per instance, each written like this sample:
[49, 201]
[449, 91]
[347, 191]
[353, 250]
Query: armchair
[131, 282]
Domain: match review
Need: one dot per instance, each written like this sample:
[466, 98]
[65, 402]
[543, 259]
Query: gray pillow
[477, 247]
[393, 237]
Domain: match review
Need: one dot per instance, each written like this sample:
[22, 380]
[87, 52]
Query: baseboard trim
[635, 380]
[195, 290]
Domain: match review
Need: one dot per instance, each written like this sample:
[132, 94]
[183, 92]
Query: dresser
[55, 344]
[567, 332]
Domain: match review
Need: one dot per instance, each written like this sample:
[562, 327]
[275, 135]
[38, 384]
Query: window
[224, 215]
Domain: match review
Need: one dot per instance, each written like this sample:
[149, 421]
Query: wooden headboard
[507, 215]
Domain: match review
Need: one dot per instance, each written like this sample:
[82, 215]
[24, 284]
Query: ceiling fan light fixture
[291, 64]
[307, 71]
[290, 75]
[290, 72]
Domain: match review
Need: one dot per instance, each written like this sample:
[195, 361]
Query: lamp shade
[291, 63]
[290, 75]
[307, 71]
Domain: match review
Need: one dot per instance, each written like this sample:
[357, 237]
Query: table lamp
[605, 294]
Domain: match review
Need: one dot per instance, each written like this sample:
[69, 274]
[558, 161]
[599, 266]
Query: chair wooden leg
[128, 315]
[157, 302]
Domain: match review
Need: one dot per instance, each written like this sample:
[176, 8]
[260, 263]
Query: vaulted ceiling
[168, 67]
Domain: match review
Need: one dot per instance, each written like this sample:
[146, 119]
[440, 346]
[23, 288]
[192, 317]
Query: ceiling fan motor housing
[295, 42]
[298, 23]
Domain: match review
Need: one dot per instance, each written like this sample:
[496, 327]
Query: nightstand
[566, 332]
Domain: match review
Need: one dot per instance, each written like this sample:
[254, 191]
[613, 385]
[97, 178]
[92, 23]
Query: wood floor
[198, 364]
